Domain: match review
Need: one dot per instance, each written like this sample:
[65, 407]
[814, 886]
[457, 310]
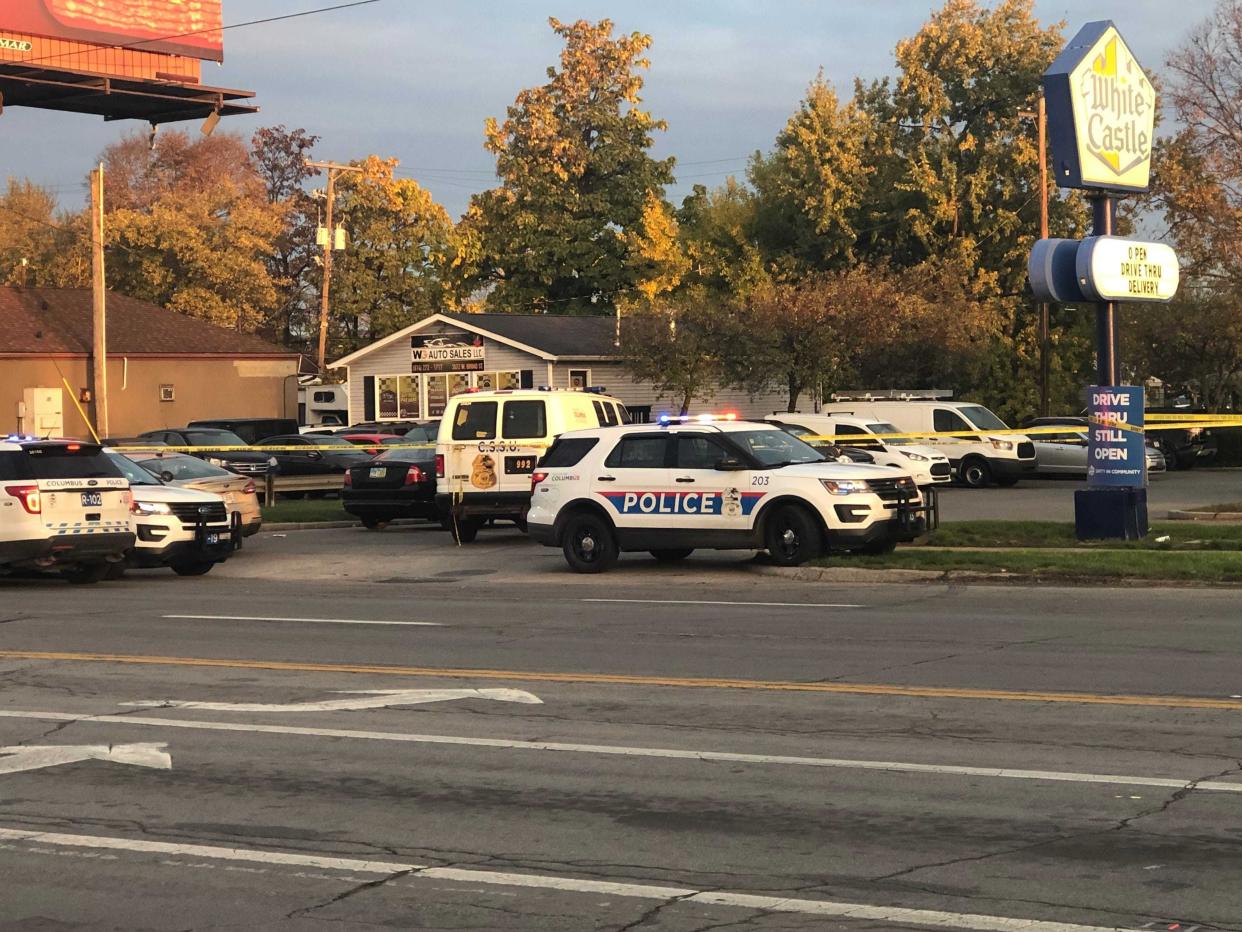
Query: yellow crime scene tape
[1158, 422]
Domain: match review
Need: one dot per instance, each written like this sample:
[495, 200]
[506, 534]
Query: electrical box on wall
[44, 414]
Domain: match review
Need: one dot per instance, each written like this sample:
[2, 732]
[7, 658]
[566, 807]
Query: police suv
[64, 507]
[683, 484]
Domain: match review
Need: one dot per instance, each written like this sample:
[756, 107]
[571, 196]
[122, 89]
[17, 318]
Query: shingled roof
[57, 321]
[555, 334]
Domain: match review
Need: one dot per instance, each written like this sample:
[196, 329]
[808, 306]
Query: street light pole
[333, 169]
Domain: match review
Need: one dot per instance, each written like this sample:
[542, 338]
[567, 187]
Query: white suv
[724, 485]
[927, 465]
[63, 506]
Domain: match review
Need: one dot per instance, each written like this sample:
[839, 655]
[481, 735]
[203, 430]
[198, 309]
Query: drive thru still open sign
[1116, 456]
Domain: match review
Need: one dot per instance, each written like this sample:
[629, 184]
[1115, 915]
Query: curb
[845, 574]
[1205, 516]
[326, 525]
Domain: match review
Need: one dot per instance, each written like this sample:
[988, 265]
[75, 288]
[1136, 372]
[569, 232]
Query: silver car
[1066, 454]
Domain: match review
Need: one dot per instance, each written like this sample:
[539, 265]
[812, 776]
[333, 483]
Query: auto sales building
[411, 374]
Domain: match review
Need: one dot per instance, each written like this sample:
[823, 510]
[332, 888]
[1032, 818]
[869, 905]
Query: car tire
[520, 524]
[115, 571]
[791, 536]
[193, 567]
[588, 543]
[975, 473]
[465, 530]
[374, 524]
[672, 554]
[86, 574]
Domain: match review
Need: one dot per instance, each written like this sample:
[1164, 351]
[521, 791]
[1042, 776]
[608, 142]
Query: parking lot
[390, 731]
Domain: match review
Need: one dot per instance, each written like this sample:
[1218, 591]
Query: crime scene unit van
[680, 485]
[490, 441]
[184, 529]
[977, 459]
[928, 466]
[64, 506]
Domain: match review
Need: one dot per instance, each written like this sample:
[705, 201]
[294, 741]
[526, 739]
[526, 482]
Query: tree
[279, 156]
[813, 183]
[576, 174]
[717, 233]
[675, 344]
[656, 252]
[396, 267]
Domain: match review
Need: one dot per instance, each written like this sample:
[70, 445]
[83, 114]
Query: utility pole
[333, 169]
[1041, 118]
[99, 334]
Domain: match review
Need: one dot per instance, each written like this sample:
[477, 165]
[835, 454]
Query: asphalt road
[386, 731]
[1053, 499]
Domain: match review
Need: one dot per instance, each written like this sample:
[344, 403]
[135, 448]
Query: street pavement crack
[654, 911]
[305, 911]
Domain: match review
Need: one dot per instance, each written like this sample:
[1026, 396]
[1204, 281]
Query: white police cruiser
[689, 483]
[63, 506]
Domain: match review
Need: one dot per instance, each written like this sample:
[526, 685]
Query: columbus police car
[684, 484]
[63, 506]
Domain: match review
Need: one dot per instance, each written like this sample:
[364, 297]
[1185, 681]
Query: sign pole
[1106, 311]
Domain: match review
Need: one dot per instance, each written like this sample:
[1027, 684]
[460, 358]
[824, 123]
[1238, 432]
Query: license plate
[520, 464]
[92, 499]
[378, 472]
[213, 539]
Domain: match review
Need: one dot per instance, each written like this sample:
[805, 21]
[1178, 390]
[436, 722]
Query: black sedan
[396, 484]
[334, 454]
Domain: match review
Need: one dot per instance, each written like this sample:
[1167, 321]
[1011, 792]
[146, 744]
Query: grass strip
[1221, 567]
[1164, 535]
[318, 509]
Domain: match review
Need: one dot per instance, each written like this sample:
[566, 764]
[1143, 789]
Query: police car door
[708, 497]
[633, 482]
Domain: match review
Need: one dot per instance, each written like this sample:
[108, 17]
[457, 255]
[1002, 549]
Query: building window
[497, 380]
[397, 397]
[579, 378]
[168, 393]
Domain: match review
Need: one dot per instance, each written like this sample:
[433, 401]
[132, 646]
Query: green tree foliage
[675, 344]
[572, 156]
[396, 268]
[40, 246]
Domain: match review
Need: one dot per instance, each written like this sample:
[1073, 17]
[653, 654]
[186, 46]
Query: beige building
[164, 369]
[412, 373]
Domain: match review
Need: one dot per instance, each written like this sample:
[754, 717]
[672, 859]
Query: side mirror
[166, 476]
[315, 455]
[730, 464]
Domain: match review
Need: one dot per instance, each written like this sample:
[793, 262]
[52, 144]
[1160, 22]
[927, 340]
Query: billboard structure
[119, 59]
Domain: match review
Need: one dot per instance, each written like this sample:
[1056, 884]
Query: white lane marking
[891, 914]
[622, 751]
[366, 699]
[36, 757]
[309, 621]
[710, 602]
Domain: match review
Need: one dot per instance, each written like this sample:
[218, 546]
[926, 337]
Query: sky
[415, 80]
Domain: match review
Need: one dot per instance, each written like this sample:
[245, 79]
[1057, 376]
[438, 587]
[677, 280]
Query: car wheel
[374, 524]
[465, 530]
[588, 544]
[792, 536]
[672, 554]
[115, 571]
[193, 568]
[975, 472]
[86, 574]
[520, 524]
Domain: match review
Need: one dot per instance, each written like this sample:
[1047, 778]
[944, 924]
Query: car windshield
[774, 447]
[883, 427]
[982, 418]
[325, 441]
[182, 467]
[132, 471]
[214, 438]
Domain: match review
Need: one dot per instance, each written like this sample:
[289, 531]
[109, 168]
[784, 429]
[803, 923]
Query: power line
[137, 45]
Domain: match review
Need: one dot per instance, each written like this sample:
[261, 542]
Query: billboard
[179, 27]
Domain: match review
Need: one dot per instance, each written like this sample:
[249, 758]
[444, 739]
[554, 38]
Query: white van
[978, 461]
[490, 441]
[928, 466]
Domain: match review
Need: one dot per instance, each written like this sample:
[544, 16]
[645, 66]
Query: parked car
[212, 440]
[189, 472]
[928, 466]
[1186, 447]
[372, 444]
[830, 451]
[185, 530]
[303, 460]
[250, 429]
[1065, 454]
[418, 431]
[64, 507]
[396, 484]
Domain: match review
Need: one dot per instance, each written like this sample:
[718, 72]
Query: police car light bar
[20, 438]
[666, 419]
